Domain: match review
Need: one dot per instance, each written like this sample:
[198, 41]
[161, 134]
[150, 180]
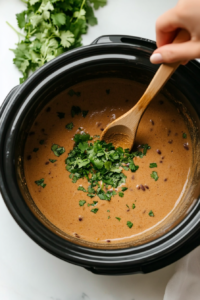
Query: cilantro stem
[79, 12]
[26, 2]
[17, 32]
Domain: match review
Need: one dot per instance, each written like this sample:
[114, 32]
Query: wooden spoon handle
[163, 73]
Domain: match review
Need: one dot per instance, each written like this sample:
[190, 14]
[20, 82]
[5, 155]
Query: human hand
[186, 15]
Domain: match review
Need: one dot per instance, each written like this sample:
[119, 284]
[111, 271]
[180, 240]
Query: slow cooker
[112, 56]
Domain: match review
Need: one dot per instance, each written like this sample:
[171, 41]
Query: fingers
[176, 52]
[166, 27]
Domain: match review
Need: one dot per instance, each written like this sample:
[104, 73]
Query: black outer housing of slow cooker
[141, 259]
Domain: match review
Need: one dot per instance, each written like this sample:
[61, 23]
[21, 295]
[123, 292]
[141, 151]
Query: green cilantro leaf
[145, 147]
[124, 189]
[93, 204]
[83, 146]
[152, 165]
[84, 113]
[184, 135]
[21, 19]
[91, 195]
[75, 110]
[61, 115]
[118, 218]
[82, 202]
[133, 206]
[67, 38]
[94, 210]
[58, 19]
[41, 142]
[154, 175]
[151, 214]
[81, 188]
[121, 194]
[98, 3]
[69, 126]
[57, 150]
[52, 160]
[90, 17]
[41, 183]
[129, 224]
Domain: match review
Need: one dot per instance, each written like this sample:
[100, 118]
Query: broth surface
[162, 127]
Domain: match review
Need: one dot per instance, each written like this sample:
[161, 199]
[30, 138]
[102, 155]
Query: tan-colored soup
[161, 127]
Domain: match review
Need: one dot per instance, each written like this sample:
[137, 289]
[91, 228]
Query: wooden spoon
[122, 131]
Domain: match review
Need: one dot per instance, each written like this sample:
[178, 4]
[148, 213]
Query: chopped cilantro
[84, 113]
[124, 189]
[69, 126]
[145, 147]
[152, 165]
[184, 135]
[97, 136]
[121, 194]
[40, 183]
[133, 167]
[61, 115]
[108, 211]
[133, 206]
[52, 160]
[91, 190]
[81, 188]
[82, 202]
[75, 110]
[35, 149]
[93, 204]
[125, 168]
[91, 195]
[94, 210]
[41, 142]
[127, 205]
[151, 214]
[154, 175]
[78, 138]
[108, 217]
[118, 218]
[100, 163]
[57, 150]
[129, 224]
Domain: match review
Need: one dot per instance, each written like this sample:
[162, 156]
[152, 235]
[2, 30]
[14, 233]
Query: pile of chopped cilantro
[51, 27]
[101, 164]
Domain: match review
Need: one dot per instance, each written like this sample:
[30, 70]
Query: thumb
[176, 52]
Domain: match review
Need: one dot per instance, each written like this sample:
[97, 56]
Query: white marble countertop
[27, 272]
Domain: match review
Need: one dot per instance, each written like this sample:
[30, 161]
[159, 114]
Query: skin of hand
[186, 15]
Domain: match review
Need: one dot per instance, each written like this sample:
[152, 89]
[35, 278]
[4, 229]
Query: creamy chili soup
[149, 194]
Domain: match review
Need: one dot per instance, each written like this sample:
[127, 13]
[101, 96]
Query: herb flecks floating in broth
[106, 195]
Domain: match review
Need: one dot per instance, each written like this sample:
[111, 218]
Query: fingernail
[156, 58]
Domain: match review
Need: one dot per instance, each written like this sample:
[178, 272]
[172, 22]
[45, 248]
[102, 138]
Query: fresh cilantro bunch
[51, 27]
[100, 162]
